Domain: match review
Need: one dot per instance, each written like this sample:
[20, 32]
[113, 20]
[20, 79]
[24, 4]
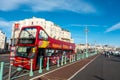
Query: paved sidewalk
[67, 71]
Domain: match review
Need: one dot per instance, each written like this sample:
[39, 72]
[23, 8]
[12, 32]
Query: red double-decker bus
[34, 42]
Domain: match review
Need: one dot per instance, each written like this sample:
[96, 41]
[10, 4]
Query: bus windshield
[23, 51]
[28, 33]
[27, 36]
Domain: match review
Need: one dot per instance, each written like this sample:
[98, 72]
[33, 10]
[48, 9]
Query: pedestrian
[107, 54]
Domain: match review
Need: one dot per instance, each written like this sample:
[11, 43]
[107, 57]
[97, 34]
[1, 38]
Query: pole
[70, 58]
[40, 69]
[58, 61]
[86, 31]
[65, 59]
[31, 68]
[47, 68]
[1, 70]
[62, 61]
[9, 76]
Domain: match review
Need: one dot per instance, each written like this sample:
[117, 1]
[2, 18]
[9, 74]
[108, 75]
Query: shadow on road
[97, 77]
[115, 60]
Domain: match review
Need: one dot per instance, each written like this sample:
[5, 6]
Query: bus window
[28, 33]
[49, 52]
[23, 51]
[43, 35]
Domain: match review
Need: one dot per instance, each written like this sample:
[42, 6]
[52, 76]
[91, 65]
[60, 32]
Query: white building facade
[51, 29]
[2, 40]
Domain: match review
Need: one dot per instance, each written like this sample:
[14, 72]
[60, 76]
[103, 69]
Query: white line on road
[82, 68]
[54, 70]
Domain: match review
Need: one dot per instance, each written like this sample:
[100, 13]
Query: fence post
[58, 61]
[77, 56]
[70, 59]
[62, 60]
[80, 56]
[65, 59]
[31, 68]
[83, 56]
[40, 68]
[47, 68]
[73, 58]
[1, 70]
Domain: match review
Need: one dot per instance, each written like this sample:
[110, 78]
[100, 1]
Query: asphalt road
[4, 58]
[101, 68]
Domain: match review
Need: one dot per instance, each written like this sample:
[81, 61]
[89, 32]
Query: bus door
[42, 45]
[41, 53]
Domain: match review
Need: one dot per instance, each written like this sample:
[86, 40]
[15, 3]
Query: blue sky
[102, 17]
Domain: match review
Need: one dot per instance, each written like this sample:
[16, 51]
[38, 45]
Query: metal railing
[61, 60]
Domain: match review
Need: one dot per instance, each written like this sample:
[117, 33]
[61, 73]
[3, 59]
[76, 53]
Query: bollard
[77, 56]
[74, 57]
[19, 69]
[40, 67]
[31, 66]
[47, 68]
[70, 59]
[58, 61]
[65, 59]
[80, 56]
[1, 70]
[84, 55]
[62, 61]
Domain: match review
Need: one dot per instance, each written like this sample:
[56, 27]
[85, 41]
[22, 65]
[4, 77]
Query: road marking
[82, 68]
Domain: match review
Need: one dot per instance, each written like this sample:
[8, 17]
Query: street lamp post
[86, 33]
[95, 47]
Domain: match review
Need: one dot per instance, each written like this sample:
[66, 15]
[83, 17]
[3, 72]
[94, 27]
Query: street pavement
[65, 72]
[59, 74]
[102, 68]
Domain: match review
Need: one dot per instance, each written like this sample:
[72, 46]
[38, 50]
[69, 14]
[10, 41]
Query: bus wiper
[30, 35]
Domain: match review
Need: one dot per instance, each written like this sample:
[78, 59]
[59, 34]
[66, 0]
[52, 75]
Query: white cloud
[6, 5]
[6, 27]
[114, 27]
[78, 6]
[5, 24]
[84, 25]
